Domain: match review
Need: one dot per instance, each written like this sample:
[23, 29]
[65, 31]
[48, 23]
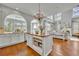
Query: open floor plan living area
[39, 29]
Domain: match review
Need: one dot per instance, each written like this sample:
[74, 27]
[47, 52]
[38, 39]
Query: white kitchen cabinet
[17, 38]
[29, 40]
[11, 39]
[4, 40]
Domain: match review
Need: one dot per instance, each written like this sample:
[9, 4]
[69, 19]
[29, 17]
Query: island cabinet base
[42, 45]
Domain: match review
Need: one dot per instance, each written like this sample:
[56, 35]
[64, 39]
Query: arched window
[14, 22]
[34, 26]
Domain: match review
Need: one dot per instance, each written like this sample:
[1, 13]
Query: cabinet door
[29, 40]
[17, 38]
[13, 38]
[25, 37]
[4, 40]
[20, 37]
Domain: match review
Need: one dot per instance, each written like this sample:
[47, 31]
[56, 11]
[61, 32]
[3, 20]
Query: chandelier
[39, 15]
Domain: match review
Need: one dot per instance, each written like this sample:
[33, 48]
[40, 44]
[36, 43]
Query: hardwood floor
[65, 48]
[60, 48]
[18, 50]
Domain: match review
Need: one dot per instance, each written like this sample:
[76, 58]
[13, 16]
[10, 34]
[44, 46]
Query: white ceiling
[47, 8]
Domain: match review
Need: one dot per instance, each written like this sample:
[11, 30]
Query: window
[75, 11]
[58, 16]
[50, 18]
[47, 28]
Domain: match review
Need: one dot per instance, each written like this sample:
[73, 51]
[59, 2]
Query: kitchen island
[42, 44]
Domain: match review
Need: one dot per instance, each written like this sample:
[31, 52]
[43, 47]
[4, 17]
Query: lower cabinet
[29, 40]
[17, 38]
[4, 40]
[11, 39]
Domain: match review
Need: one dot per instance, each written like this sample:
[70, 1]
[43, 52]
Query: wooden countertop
[38, 35]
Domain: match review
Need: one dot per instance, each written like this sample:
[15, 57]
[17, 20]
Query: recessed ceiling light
[16, 8]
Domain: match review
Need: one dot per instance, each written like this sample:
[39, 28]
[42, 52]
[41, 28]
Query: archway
[14, 22]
